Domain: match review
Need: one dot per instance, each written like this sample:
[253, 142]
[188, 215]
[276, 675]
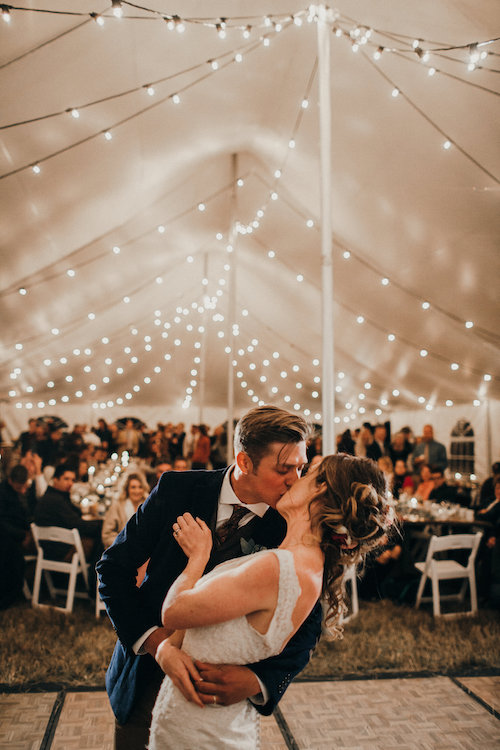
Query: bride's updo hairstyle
[351, 517]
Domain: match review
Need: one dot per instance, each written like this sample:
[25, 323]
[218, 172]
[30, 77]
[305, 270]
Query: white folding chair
[26, 588]
[445, 570]
[77, 565]
[350, 577]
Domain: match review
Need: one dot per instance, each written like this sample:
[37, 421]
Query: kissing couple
[214, 635]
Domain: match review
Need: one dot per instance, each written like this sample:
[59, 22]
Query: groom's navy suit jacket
[133, 611]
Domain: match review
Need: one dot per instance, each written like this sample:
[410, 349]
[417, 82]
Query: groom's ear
[244, 462]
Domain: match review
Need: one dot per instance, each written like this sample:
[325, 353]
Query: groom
[238, 505]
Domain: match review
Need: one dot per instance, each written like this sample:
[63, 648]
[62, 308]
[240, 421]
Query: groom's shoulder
[185, 481]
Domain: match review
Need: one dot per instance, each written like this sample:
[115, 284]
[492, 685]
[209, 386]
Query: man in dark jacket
[270, 451]
[56, 509]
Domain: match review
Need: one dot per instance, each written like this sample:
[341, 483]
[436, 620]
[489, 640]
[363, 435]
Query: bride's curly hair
[351, 518]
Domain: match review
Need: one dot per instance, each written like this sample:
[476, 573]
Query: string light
[117, 8]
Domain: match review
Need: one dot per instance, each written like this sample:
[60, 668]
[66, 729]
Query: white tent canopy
[115, 254]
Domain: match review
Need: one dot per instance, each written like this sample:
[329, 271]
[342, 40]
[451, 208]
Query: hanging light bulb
[5, 13]
[117, 8]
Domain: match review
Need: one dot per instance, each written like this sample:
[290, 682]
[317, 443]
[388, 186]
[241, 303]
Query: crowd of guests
[38, 473]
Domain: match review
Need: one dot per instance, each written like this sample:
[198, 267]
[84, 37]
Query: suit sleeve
[132, 610]
[277, 672]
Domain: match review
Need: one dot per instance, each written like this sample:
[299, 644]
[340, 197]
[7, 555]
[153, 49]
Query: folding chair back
[439, 569]
[77, 564]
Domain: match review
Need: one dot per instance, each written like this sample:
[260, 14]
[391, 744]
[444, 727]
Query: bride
[248, 608]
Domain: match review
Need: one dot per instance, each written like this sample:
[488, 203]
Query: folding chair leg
[71, 591]
[420, 591]
[436, 603]
[473, 594]
[35, 597]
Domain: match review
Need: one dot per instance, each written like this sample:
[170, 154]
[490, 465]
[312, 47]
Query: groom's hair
[264, 425]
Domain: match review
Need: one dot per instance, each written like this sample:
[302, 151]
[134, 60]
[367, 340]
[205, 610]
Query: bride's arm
[195, 539]
[251, 587]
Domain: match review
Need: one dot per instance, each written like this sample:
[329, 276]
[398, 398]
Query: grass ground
[45, 646]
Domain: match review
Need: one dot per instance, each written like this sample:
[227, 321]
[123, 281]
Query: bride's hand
[193, 536]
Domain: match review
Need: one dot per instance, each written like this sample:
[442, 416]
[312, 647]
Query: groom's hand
[227, 682]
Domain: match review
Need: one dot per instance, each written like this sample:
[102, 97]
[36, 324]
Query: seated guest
[487, 492]
[135, 491]
[400, 448]
[16, 508]
[121, 511]
[180, 464]
[402, 481]
[426, 485]
[490, 562]
[56, 509]
[442, 492]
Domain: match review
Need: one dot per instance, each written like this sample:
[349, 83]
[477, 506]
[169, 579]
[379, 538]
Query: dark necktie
[228, 527]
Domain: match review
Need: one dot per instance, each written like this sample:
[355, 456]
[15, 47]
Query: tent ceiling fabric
[407, 210]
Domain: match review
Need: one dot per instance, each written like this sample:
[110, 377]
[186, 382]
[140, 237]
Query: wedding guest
[384, 463]
[402, 480]
[363, 443]
[218, 450]
[28, 440]
[400, 448]
[442, 491]
[201, 452]
[180, 464]
[429, 451]
[487, 491]
[129, 439]
[380, 446]
[346, 443]
[56, 509]
[133, 494]
[426, 484]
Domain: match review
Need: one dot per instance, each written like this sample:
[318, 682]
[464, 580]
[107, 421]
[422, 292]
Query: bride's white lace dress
[180, 725]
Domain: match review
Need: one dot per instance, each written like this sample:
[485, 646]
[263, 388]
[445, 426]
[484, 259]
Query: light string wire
[400, 38]
[487, 336]
[232, 22]
[431, 121]
[382, 329]
[244, 48]
[445, 73]
[44, 44]
[14, 288]
[36, 280]
[131, 328]
[127, 119]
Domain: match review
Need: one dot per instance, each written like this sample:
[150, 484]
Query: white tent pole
[203, 352]
[231, 316]
[328, 390]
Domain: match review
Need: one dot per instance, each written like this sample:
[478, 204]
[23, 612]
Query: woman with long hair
[248, 608]
[134, 492]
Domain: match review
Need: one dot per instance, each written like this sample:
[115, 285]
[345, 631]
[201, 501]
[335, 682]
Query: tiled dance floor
[432, 713]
